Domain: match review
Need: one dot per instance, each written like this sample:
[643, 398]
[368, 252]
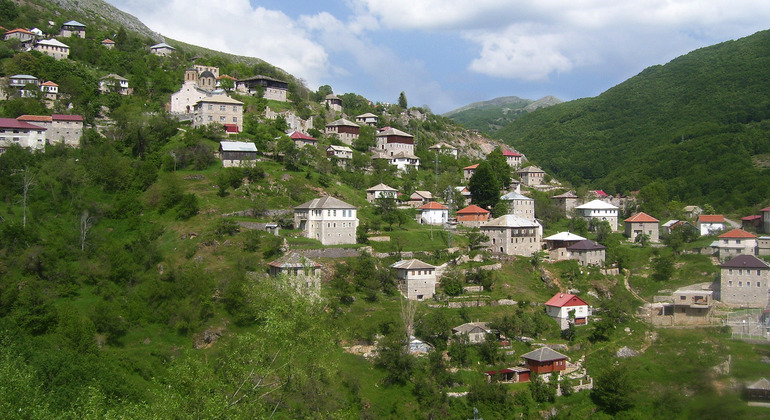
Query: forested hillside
[490, 116]
[695, 130]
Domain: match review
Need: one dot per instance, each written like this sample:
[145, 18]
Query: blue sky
[449, 53]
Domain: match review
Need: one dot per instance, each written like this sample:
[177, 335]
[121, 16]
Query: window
[222, 108]
[211, 107]
[235, 119]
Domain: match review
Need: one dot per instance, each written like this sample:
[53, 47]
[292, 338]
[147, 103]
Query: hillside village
[213, 203]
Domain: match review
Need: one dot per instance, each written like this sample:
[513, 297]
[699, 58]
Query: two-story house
[472, 216]
[327, 219]
[367, 119]
[531, 176]
[302, 274]
[565, 202]
[599, 210]
[346, 131]
[73, 28]
[23, 134]
[642, 224]
[391, 141]
[114, 83]
[512, 235]
[565, 308]
[218, 109]
[433, 213]
[53, 48]
[270, 88]
[333, 102]
[162, 49]
[416, 279]
[709, 224]
[512, 158]
[237, 153]
[301, 140]
[745, 281]
[380, 191]
[341, 154]
[735, 242]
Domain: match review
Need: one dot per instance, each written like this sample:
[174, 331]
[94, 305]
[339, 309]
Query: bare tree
[408, 309]
[27, 183]
[86, 223]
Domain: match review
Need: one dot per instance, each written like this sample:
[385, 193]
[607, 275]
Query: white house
[736, 242]
[22, 134]
[599, 210]
[433, 213]
[54, 48]
[417, 280]
[512, 158]
[342, 154]
[560, 305]
[710, 223]
[327, 219]
[367, 119]
[114, 83]
[443, 148]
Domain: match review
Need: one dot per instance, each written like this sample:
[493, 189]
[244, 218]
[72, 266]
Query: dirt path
[628, 287]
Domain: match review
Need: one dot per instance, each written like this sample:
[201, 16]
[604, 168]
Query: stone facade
[745, 281]
[53, 48]
[380, 191]
[391, 141]
[512, 235]
[220, 109]
[346, 131]
[520, 205]
[73, 28]
[531, 176]
[272, 89]
[417, 280]
[735, 242]
[327, 219]
[565, 202]
[21, 133]
[587, 252]
[302, 274]
[642, 224]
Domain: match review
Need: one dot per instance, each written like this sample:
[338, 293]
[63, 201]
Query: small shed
[759, 390]
[237, 153]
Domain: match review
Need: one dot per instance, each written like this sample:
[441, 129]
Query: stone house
[599, 210]
[709, 224]
[531, 176]
[745, 281]
[270, 88]
[557, 245]
[472, 216]
[346, 131]
[512, 235]
[302, 274]
[443, 148]
[21, 133]
[433, 213]
[476, 331]
[162, 49]
[342, 154]
[327, 219]
[545, 360]
[512, 158]
[419, 198]
[73, 28]
[691, 212]
[587, 252]
[108, 43]
[468, 172]
[642, 224]
[519, 205]
[24, 36]
[219, 109]
[333, 102]
[417, 279]
[114, 83]
[565, 202]
[301, 140]
[735, 242]
[53, 48]
[367, 119]
[65, 129]
[560, 305]
[391, 141]
[763, 245]
[380, 191]
[237, 153]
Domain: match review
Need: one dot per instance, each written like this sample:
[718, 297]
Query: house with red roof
[472, 216]
[21, 133]
[709, 224]
[468, 172]
[561, 305]
[753, 222]
[735, 242]
[108, 43]
[301, 140]
[433, 213]
[512, 158]
[642, 224]
[23, 35]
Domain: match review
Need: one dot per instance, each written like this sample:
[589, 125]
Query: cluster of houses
[35, 131]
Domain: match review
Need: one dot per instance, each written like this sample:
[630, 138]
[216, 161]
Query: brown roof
[473, 209]
[745, 261]
[711, 218]
[737, 234]
[433, 206]
[642, 217]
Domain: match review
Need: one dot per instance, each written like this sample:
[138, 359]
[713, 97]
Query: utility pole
[450, 203]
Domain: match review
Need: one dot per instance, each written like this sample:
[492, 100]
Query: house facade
[342, 154]
[745, 281]
[468, 172]
[108, 43]
[545, 360]
[472, 216]
[272, 89]
[328, 220]
[23, 35]
[114, 83]
[346, 131]
[561, 305]
[587, 252]
[433, 213]
[50, 91]
[736, 242]
[709, 224]
[53, 48]
[367, 119]
[642, 224]
[380, 191]
[512, 235]
[302, 274]
[531, 176]
[73, 28]
[23, 134]
[333, 102]
[301, 140]
[519, 205]
[417, 279]
[162, 49]
[443, 148]
[476, 331]
[219, 109]
[599, 210]
[391, 141]
[765, 212]
[237, 153]
[419, 198]
[512, 158]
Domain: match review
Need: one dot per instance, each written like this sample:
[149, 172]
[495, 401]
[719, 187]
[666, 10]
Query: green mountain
[697, 128]
[490, 116]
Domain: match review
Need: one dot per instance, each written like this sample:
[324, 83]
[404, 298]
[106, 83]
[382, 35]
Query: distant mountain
[490, 116]
[695, 130]
[99, 10]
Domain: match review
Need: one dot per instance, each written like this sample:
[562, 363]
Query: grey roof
[513, 195]
[586, 245]
[52, 43]
[381, 187]
[402, 155]
[531, 169]
[340, 148]
[390, 131]
[762, 384]
[745, 261]
[470, 326]
[237, 146]
[113, 76]
[568, 194]
[413, 264]
[74, 23]
[162, 45]
[294, 260]
[261, 77]
[511, 221]
[325, 202]
[367, 115]
[342, 121]
[543, 354]
[207, 73]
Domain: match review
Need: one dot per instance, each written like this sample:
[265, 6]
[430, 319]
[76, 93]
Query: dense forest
[694, 130]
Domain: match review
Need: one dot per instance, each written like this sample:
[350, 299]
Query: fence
[747, 324]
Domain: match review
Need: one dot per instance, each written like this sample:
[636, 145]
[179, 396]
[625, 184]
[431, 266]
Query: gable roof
[381, 187]
[336, 148]
[565, 299]
[366, 115]
[74, 23]
[52, 43]
[471, 167]
[220, 99]
[745, 261]
[325, 202]
[14, 123]
[568, 194]
[642, 217]
[737, 234]
[762, 384]
[470, 327]
[294, 260]
[510, 153]
[596, 205]
[565, 236]
[413, 264]
[390, 131]
[108, 41]
[766, 209]
[531, 170]
[544, 354]
[751, 218]
[599, 193]
[342, 122]
[20, 30]
[49, 83]
[296, 135]
[711, 218]
[473, 209]
[162, 45]
[513, 195]
[237, 146]
[67, 117]
[37, 118]
[586, 245]
[113, 76]
[433, 206]
[511, 221]
[423, 194]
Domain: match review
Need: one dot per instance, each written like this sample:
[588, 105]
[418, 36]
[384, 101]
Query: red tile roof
[63, 117]
[433, 206]
[473, 209]
[24, 31]
[737, 234]
[108, 41]
[711, 218]
[766, 209]
[565, 299]
[39, 118]
[509, 153]
[472, 166]
[751, 218]
[296, 135]
[49, 83]
[599, 193]
[14, 123]
[642, 217]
